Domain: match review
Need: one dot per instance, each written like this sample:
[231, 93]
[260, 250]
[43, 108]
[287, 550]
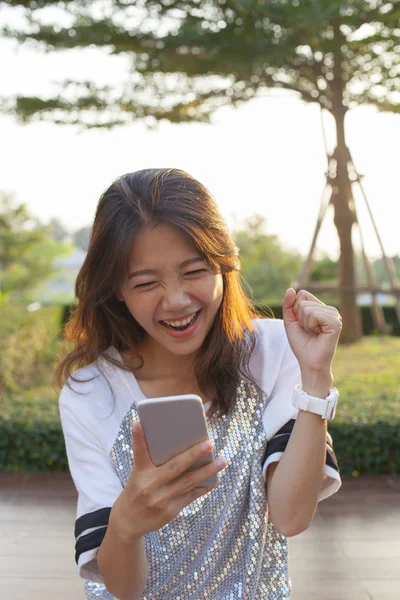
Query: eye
[196, 272]
[147, 285]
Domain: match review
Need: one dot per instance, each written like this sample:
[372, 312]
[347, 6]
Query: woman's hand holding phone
[153, 496]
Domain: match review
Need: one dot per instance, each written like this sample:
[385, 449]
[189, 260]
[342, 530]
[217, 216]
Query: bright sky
[265, 157]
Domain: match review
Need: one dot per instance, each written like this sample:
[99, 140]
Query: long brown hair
[133, 201]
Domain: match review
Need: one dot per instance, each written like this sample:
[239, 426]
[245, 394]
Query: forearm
[294, 488]
[123, 564]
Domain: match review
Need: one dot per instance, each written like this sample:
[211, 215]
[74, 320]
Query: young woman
[160, 312]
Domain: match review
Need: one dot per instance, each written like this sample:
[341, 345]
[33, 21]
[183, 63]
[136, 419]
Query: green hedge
[367, 448]
[30, 433]
[30, 436]
[360, 448]
[31, 446]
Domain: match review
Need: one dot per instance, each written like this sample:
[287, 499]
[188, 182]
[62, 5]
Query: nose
[175, 299]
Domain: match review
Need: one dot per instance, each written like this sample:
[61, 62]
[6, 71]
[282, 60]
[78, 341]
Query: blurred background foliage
[27, 251]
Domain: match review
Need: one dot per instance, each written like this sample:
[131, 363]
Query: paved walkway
[351, 551]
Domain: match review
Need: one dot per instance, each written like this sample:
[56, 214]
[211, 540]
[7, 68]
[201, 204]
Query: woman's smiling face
[170, 291]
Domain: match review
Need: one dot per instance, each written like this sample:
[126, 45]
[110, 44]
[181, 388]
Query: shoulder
[270, 332]
[94, 401]
[272, 353]
[85, 385]
[270, 340]
[95, 384]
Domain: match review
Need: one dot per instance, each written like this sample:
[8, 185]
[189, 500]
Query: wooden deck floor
[351, 551]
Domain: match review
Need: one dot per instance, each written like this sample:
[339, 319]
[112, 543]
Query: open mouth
[181, 325]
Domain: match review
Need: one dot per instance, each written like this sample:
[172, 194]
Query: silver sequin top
[222, 546]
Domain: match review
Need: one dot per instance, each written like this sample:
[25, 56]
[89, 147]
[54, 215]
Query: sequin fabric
[221, 546]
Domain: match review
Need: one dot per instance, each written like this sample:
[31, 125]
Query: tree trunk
[342, 200]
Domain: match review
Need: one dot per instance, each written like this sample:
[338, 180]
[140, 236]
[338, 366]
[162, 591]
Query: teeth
[180, 323]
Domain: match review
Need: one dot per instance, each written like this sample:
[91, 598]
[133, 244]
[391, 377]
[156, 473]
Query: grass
[367, 375]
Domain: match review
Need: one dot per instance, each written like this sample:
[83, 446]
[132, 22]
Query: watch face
[334, 394]
[332, 400]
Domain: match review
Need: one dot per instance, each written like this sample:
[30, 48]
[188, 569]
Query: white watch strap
[326, 407]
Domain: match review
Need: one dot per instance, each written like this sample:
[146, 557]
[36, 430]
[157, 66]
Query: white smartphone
[173, 424]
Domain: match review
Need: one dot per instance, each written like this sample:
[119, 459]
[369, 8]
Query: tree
[267, 268]
[189, 58]
[26, 251]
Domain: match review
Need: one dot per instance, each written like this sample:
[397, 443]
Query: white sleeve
[94, 475]
[280, 415]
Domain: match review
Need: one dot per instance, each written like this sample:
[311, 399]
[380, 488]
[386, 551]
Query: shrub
[28, 345]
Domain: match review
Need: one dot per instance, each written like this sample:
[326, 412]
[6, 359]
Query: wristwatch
[326, 407]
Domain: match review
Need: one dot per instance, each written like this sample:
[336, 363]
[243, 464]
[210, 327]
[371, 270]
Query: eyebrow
[183, 264]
